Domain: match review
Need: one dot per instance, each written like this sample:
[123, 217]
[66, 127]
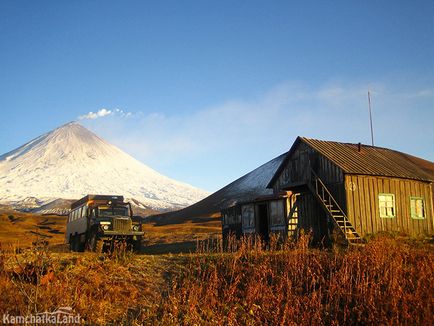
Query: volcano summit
[71, 161]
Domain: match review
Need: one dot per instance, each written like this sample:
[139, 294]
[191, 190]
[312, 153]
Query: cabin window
[277, 212]
[232, 218]
[84, 211]
[387, 205]
[417, 207]
[248, 216]
[226, 218]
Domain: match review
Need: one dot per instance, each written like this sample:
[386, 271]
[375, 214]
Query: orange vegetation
[388, 281]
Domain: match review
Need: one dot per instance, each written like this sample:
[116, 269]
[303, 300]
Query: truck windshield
[110, 211]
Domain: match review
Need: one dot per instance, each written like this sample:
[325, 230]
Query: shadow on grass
[173, 221]
[170, 248]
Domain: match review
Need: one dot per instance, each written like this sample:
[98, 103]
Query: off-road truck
[102, 222]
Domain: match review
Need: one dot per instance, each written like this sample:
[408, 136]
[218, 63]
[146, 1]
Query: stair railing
[322, 191]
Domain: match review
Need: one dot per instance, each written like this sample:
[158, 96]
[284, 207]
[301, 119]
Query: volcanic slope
[71, 161]
[248, 187]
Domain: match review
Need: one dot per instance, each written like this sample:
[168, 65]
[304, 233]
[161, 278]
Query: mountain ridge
[71, 161]
[248, 187]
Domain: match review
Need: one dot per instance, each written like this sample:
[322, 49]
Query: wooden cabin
[356, 189]
[263, 216]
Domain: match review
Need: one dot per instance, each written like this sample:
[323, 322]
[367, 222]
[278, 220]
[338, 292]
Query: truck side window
[83, 212]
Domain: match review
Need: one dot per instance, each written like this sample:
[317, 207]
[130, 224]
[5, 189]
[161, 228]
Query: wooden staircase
[292, 221]
[335, 212]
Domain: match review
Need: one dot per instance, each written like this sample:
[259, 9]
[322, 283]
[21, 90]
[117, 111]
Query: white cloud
[94, 115]
[104, 113]
[239, 135]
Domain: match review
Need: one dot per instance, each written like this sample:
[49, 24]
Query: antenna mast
[370, 118]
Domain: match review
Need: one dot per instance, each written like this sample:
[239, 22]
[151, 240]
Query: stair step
[338, 215]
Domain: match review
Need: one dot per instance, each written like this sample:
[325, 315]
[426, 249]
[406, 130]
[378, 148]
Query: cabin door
[263, 229]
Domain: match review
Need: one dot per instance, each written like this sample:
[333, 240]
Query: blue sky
[208, 90]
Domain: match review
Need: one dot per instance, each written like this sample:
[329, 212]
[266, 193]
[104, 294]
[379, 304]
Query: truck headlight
[105, 227]
[135, 227]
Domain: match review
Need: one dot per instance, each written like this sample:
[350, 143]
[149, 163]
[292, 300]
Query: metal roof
[369, 160]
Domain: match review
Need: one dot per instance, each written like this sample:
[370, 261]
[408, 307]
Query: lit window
[417, 207]
[387, 205]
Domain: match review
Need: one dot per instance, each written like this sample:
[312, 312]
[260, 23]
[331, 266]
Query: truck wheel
[134, 246]
[71, 243]
[137, 246]
[81, 246]
[95, 244]
[75, 243]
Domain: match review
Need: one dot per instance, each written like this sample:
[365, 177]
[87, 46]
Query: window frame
[394, 205]
[423, 208]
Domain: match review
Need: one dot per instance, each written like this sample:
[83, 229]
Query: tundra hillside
[388, 281]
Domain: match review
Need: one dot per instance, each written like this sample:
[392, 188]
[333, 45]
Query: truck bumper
[124, 233]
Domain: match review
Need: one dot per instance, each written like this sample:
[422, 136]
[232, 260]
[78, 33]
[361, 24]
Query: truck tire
[75, 244]
[95, 244]
[81, 246]
[71, 243]
[137, 246]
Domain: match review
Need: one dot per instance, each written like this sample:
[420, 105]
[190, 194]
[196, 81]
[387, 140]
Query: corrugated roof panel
[371, 160]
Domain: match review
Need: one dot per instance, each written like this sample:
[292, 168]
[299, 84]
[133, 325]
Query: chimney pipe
[359, 147]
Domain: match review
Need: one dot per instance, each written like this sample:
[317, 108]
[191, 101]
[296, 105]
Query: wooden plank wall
[311, 217]
[298, 167]
[363, 208]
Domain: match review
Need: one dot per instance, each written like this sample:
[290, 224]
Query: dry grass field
[179, 237]
[20, 230]
[389, 281]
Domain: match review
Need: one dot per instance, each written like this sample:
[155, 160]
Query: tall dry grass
[101, 288]
[386, 282]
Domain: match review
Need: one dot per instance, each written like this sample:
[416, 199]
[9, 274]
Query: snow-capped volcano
[71, 161]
